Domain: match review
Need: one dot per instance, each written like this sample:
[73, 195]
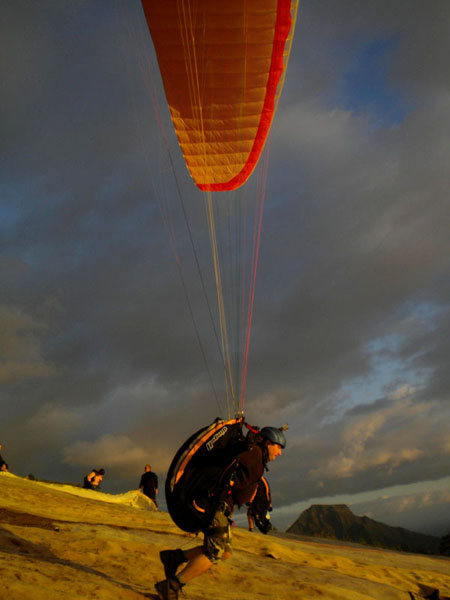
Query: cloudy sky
[100, 362]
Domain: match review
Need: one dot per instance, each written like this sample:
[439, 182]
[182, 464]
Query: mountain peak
[337, 521]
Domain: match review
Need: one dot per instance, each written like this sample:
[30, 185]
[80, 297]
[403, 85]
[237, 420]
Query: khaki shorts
[218, 536]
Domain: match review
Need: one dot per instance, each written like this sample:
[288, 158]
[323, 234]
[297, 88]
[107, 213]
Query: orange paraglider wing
[222, 65]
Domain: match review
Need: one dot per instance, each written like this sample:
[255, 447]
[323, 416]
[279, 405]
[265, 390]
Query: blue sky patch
[365, 86]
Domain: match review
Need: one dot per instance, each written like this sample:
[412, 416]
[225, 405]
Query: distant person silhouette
[149, 484]
[94, 479]
[2, 462]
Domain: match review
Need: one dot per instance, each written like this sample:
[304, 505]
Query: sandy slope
[56, 545]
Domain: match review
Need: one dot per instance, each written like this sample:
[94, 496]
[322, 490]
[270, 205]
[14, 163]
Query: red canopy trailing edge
[222, 64]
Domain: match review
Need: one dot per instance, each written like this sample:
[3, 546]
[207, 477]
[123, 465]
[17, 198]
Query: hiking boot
[428, 592]
[171, 559]
[168, 589]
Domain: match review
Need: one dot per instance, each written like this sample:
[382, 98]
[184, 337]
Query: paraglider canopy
[222, 65]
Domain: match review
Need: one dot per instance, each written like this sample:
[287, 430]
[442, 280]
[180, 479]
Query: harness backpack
[199, 476]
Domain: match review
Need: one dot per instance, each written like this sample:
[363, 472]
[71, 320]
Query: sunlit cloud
[118, 452]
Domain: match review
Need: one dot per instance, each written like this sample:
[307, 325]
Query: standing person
[149, 484]
[217, 537]
[94, 479]
[2, 462]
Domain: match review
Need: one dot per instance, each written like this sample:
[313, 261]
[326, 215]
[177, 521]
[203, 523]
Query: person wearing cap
[94, 479]
[269, 444]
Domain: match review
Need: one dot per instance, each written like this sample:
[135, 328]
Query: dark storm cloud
[352, 293]
[368, 233]
[20, 347]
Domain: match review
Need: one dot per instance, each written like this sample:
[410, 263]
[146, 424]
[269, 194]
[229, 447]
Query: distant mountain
[444, 546]
[336, 521]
